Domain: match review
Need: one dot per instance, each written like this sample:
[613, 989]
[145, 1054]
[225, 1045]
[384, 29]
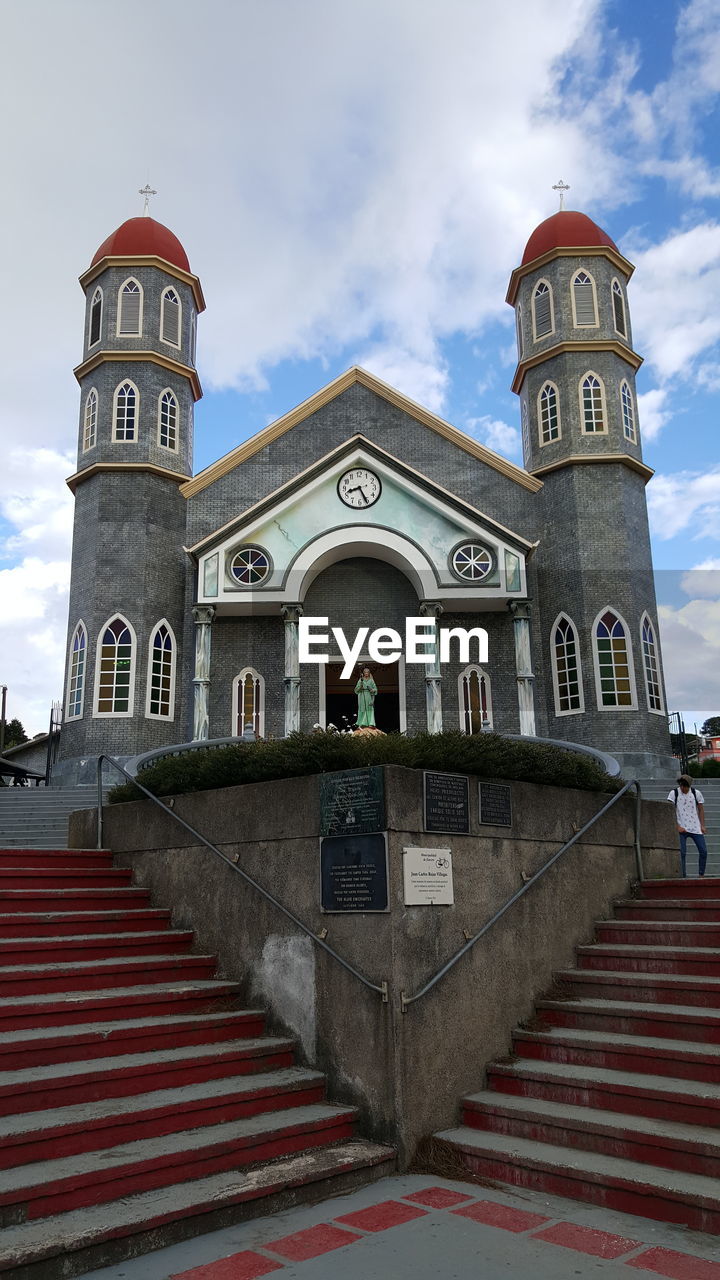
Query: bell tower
[138, 387]
[575, 378]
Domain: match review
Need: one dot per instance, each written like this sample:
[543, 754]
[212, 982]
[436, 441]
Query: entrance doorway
[338, 702]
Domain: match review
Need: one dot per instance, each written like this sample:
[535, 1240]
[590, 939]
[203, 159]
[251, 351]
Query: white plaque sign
[427, 877]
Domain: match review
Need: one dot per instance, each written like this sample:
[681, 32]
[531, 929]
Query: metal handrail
[406, 1001]
[382, 989]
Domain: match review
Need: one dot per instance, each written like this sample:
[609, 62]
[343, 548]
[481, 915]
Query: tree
[711, 727]
[14, 733]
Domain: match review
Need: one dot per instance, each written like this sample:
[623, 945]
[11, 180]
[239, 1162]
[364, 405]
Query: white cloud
[425, 381]
[690, 638]
[703, 580]
[674, 299]
[685, 501]
[653, 412]
[496, 434]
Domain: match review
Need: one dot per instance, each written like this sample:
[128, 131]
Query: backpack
[694, 792]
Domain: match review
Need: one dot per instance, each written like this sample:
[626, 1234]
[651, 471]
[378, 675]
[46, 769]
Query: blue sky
[353, 184]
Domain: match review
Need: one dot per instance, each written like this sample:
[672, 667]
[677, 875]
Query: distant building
[363, 507]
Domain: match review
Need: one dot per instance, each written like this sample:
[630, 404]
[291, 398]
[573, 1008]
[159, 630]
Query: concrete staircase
[140, 1101]
[37, 817]
[612, 1093]
[710, 787]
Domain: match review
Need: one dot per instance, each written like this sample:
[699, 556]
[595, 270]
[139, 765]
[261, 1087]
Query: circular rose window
[250, 566]
[471, 562]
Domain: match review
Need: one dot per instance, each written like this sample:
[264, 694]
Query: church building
[362, 507]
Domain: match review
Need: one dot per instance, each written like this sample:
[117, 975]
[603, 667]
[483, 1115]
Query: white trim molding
[116, 715]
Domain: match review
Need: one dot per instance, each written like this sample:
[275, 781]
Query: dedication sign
[495, 805]
[354, 873]
[427, 877]
[352, 802]
[447, 806]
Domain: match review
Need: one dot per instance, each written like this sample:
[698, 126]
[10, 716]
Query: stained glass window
[250, 566]
[613, 662]
[116, 666]
[472, 562]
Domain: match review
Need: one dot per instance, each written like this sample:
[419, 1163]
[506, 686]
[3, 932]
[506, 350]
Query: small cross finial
[562, 187]
[147, 191]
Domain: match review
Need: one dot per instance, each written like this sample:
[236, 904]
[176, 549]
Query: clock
[359, 488]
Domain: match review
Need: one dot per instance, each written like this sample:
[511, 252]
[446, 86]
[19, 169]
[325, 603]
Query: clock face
[359, 488]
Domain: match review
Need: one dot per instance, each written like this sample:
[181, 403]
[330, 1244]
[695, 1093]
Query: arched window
[543, 319]
[613, 669]
[651, 666]
[548, 414]
[628, 413]
[519, 331]
[160, 702]
[168, 420]
[565, 655]
[115, 674]
[125, 412]
[618, 302]
[96, 317]
[170, 318]
[525, 432]
[76, 673]
[475, 700]
[90, 421]
[592, 405]
[130, 309]
[249, 703]
[583, 300]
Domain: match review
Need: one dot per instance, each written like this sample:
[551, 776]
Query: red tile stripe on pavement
[241, 1266]
[678, 1266]
[389, 1213]
[587, 1240]
[501, 1215]
[311, 1242]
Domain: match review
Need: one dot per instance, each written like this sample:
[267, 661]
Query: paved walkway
[424, 1228]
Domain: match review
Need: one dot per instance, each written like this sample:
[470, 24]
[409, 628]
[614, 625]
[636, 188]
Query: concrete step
[632, 1017]
[93, 946]
[75, 1242]
[666, 988]
[648, 1141]
[635, 958]
[116, 1004]
[682, 1059]
[85, 1042]
[689, 887]
[65, 1084]
[34, 924]
[666, 1098]
[94, 1126]
[62, 1185]
[99, 975]
[41, 879]
[682, 909]
[71, 899]
[626, 1185]
[662, 933]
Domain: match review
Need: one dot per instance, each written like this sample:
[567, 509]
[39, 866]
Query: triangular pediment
[332, 391]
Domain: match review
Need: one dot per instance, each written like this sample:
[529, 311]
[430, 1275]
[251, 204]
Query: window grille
[651, 666]
[96, 317]
[90, 421]
[566, 661]
[161, 674]
[592, 405]
[125, 412]
[613, 657]
[549, 417]
[628, 413]
[584, 296]
[168, 420]
[76, 678]
[116, 662]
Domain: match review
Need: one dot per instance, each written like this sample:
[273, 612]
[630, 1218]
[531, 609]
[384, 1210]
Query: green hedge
[489, 755]
[708, 769]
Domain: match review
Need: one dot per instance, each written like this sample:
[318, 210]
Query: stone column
[520, 610]
[291, 614]
[203, 615]
[433, 679]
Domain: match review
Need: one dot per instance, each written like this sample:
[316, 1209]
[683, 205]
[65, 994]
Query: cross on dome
[147, 191]
[562, 187]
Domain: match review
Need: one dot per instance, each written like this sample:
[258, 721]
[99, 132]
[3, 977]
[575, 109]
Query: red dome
[143, 237]
[566, 229]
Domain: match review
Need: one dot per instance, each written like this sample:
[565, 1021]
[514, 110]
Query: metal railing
[406, 1001]
[381, 989]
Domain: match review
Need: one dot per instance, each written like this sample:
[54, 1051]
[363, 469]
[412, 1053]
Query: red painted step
[671, 1022]
[665, 988]
[95, 1126]
[649, 959]
[153, 1000]
[692, 887]
[71, 899]
[682, 909]
[96, 975]
[662, 933]
[28, 951]
[151, 1163]
[52, 858]
[680, 1059]
[86, 1042]
[55, 924]
[41, 879]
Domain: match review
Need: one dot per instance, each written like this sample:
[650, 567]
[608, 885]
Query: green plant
[487, 755]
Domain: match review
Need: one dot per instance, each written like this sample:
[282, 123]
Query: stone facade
[568, 533]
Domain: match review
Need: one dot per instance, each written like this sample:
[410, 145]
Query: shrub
[488, 755]
[708, 769]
